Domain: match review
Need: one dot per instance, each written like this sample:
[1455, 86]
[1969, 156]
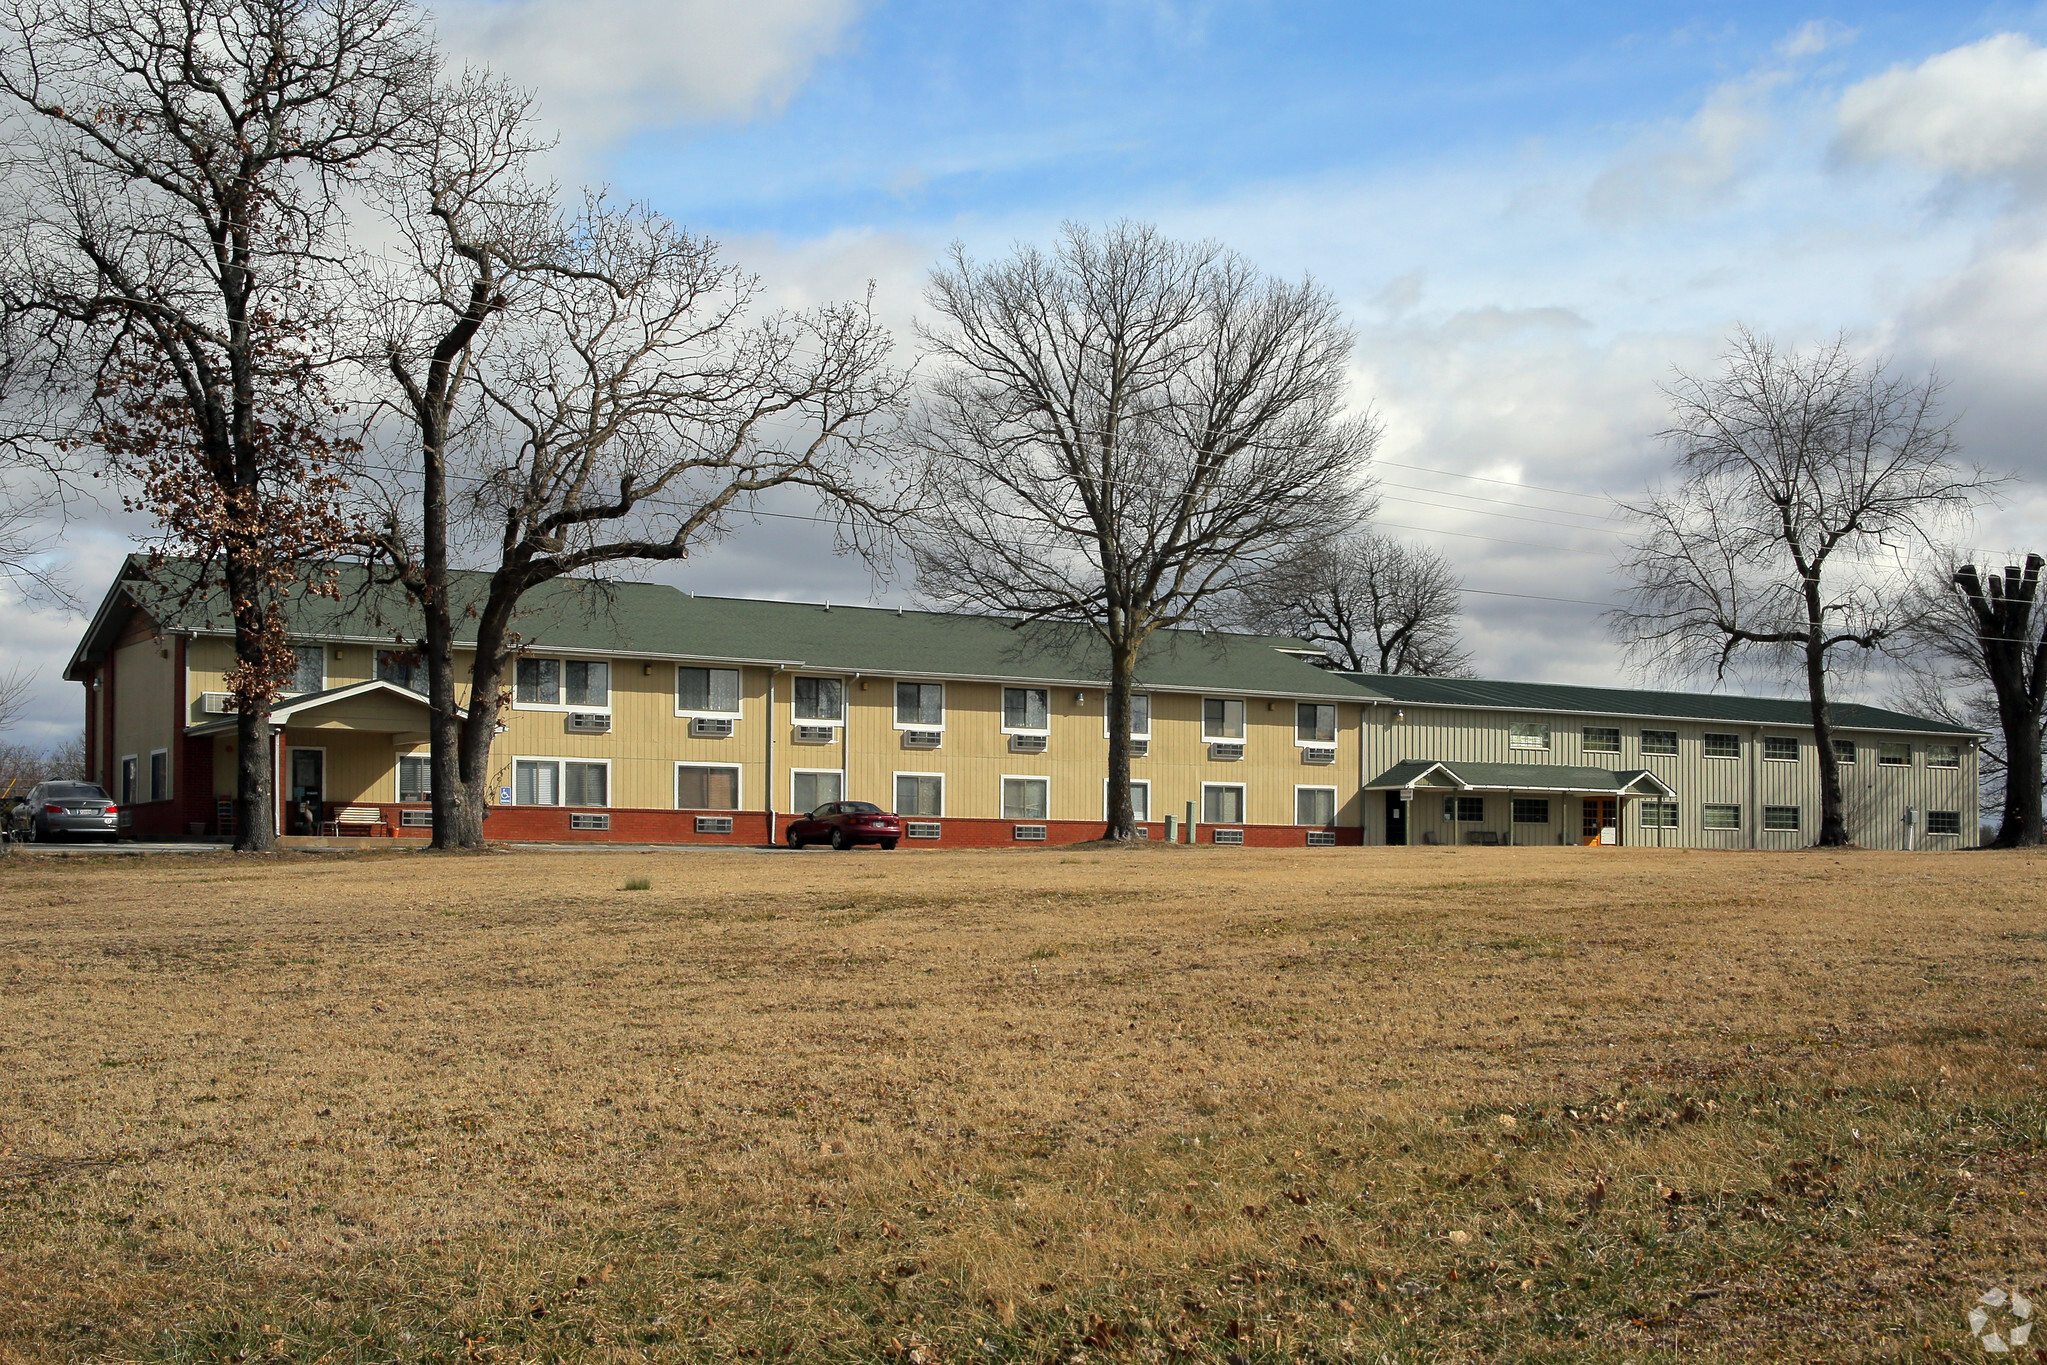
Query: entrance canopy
[377, 707]
[1430, 775]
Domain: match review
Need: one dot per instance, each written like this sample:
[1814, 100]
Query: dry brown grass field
[1071, 1105]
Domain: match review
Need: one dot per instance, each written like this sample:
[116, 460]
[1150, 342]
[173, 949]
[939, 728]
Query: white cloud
[608, 68]
[1973, 113]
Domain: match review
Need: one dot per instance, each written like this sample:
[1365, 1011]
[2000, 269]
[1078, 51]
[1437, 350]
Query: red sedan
[844, 824]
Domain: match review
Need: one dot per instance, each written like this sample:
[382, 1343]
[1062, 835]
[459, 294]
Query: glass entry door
[1602, 814]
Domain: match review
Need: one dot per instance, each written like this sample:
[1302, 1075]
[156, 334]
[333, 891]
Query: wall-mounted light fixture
[647, 671]
[1079, 697]
[1400, 715]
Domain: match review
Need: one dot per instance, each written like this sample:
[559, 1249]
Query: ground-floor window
[1780, 817]
[1140, 800]
[1315, 806]
[1531, 810]
[1720, 817]
[560, 782]
[160, 775]
[809, 790]
[1659, 814]
[1026, 798]
[1221, 805]
[1467, 810]
[706, 786]
[415, 777]
[921, 794]
[128, 780]
[1943, 822]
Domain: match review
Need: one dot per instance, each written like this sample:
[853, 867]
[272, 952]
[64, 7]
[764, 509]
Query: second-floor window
[1026, 708]
[400, 666]
[309, 669]
[563, 682]
[1659, 741]
[1314, 723]
[1601, 739]
[1943, 756]
[1222, 718]
[820, 699]
[707, 689]
[1780, 748]
[1721, 746]
[920, 704]
[1140, 715]
[1528, 735]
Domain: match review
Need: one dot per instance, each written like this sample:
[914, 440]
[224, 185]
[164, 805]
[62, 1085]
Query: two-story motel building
[640, 713]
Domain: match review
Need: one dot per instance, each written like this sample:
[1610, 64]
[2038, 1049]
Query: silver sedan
[55, 809]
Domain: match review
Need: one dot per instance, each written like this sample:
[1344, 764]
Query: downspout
[846, 748]
[1364, 800]
[1755, 804]
[773, 673]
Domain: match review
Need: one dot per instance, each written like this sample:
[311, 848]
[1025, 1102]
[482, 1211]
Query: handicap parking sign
[504, 796]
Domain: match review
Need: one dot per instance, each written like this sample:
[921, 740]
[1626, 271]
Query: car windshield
[74, 791]
[861, 808]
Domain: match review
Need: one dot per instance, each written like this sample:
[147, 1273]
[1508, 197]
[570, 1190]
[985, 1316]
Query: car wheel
[840, 841]
[794, 842]
[888, 845]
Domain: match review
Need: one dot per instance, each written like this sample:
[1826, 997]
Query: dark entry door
[308, 790]
[1396, 820]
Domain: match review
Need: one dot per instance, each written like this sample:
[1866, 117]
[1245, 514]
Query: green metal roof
[1618, 701]
[1526, 777]
[585, 616]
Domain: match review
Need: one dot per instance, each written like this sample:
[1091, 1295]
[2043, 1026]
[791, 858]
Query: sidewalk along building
[639, 713]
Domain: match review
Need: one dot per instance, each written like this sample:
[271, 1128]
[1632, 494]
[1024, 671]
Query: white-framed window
[1943, 755]
[707, 786]
[1531, 810]
[561, 782]
[1026, 798]
[819, 701]
[1140, 715]
[1943, 822]
[1140, 800]
[401, 666]
[1720, 746]
[1026, 711]
[1315, 807]
[1894, 756]
[1781, 818]
[159, 774]
[1600, 739]
[920, 706]
[1844, 751]
[1528, 734]
[415, 777]
[1719, 817]
[1464, 810]
[1222, 718]
[1314, 723]
[1659, 814]
[810, 788]
[1662, 742]
[128, 780]
[706, 691]
[921, 795]
[1780, 749]
[309, 669]
[1222, 803]
[543, 684]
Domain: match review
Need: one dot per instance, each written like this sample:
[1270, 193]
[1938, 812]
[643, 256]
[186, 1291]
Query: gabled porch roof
[1521, 777]
[376, 706]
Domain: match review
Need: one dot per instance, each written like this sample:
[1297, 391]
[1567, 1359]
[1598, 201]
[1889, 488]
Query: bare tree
[14, 695]
[629, 405]
[477, 231]
[177, 193]
[1122, 429]
[1373, 603]
[1976, 655]
[1796, 472]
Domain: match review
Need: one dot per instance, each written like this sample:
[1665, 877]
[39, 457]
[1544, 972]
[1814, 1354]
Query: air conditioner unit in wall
[590, 722]
[923, 739]
[815, 734]
[217, 703]
[1226, 753]
[1140, 748]
[1318, 754]
[1027, 744]
[704, 727]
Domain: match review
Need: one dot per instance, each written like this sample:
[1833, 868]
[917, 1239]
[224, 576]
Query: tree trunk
[457, 819]
[255, 750]
[2021, 826]
[479, 728]
[1833, 827]
[1122, 674]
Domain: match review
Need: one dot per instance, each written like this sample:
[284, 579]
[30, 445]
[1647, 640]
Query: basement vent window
[1029, 834]
[416, 819]
[922, 829]
[1229, 836]
[1321, 838]
[714, 824]
[583, 819]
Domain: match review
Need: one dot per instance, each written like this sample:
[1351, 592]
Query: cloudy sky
[1529, 219]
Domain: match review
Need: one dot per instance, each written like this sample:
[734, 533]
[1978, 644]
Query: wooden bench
[358, 815]
[1487, 838]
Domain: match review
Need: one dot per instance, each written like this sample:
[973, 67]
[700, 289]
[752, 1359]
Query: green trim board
[1520, 777]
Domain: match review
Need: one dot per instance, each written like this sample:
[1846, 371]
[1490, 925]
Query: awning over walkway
[1521, 777]
[377, 707]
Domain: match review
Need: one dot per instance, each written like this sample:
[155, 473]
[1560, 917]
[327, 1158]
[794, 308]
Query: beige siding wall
[1875, 796]
[145, 682]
